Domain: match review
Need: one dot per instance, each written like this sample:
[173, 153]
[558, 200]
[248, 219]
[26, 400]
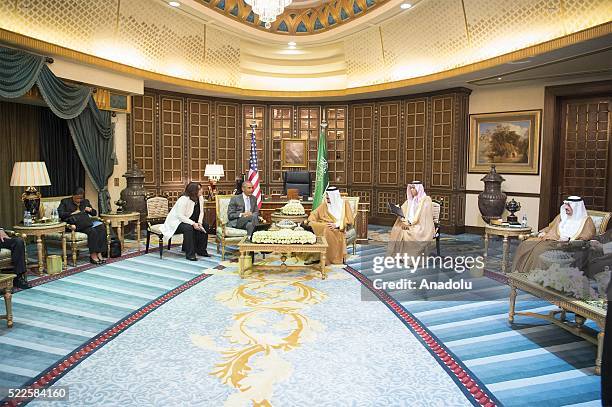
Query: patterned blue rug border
[56, 371]
[475, 391]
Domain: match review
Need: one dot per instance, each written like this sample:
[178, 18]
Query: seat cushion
[156, 228]
[351, 235]
[234, 232]
[58, 236]
[5, 254]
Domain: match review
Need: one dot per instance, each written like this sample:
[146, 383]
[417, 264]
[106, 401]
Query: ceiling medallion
[268, 10]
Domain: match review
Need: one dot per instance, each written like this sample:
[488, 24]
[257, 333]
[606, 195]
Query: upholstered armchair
[225, 234]
[157, 211]
[5, 254]
[599, 218]
[351, 231]
[78, 240]
[436, 207]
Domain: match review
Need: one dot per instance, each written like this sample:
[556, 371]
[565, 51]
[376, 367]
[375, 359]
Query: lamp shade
[214, 171]
[30, 174]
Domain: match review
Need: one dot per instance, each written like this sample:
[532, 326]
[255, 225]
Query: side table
[119, 221]
[39, 230]
[506, 232]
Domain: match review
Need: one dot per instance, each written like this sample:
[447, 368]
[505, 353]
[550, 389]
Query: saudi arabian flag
[322, 177]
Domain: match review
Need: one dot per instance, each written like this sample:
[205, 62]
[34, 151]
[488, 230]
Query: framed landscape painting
[293, 153]
[510, 140]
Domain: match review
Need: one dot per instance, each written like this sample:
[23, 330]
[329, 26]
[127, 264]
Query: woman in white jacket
[185, 218]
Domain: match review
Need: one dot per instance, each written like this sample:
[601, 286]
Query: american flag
[253, 172]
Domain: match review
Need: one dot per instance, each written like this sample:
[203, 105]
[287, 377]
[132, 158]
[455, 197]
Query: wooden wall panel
[388, 144]
[143, 136]
[227, 141]
[374, 147]
[199, 139]
[363, 136]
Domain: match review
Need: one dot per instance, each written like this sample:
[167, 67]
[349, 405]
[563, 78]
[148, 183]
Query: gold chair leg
[222, 251]
[9, 307]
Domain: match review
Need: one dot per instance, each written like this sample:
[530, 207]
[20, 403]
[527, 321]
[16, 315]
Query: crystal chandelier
[268, 10]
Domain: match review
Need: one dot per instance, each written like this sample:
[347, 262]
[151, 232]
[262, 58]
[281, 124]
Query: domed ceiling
[211, 46]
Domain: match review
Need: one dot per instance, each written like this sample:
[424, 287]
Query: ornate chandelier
[268, 10]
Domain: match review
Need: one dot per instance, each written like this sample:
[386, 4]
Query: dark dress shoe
[96, 262]
[204, 254]
[192, 258]
[21, 282]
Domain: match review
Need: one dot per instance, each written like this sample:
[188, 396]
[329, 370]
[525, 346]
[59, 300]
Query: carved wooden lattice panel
[363, 129]
[336, 143]
[442, 126]
[142, 135]
[172, 140]
[388, 145]
[309, 130]
[382, 203]
[282, 127]
[227, 139]
[260, 112]
[199, 138]
[416, 127]
[585, 152]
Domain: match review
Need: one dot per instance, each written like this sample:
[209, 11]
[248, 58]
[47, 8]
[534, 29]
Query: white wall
[504, 98]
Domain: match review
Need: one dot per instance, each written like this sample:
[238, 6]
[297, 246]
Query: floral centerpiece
[284, 236]
[572, 281]
[293, 207]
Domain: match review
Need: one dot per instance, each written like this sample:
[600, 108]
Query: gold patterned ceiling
[187, 44]
[300, 18]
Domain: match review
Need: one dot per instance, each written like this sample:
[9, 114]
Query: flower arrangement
[293, 207]
[572, 281]
[284, 236]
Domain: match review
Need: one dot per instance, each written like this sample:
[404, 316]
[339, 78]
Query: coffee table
[245, 247]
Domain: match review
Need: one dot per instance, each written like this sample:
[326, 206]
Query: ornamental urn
[134, 194]
[512, 206]
[492, 200]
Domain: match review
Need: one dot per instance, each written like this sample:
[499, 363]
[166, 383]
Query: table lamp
[30, 174]
[214, 172]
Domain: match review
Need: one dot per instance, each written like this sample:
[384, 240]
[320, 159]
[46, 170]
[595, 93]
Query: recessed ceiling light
[291, 43]
[405, 6]
[499, 78]
[174, 3]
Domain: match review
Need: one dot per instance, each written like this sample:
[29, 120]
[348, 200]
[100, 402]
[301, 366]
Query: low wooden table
[581, 310]
[6, 284]
[507, 232]
[119, 221]
[246, 246]
[39, 230]
[277, 217]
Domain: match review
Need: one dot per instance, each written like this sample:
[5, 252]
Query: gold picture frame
[294, 153]
[508, 140]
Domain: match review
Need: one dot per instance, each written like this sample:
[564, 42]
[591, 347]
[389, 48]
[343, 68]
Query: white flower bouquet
[293, 207]
[284, 236]
[569, 280]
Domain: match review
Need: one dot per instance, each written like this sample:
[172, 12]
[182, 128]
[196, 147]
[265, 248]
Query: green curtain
[90, 128]
[19, 139]
[96, 152]
[18, 72]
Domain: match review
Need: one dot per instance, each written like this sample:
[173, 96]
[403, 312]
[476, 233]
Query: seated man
[330, 219]
[78, 211]
[17, 248]
[414, 233]
[243, 212]
[572, 223]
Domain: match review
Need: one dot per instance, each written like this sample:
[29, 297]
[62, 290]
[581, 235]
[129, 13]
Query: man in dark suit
[17, 248]
[243, 212]
[77, 210]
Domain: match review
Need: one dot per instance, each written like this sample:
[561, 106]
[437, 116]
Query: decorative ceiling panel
[365, 64]
[222, 64]
[297, 21]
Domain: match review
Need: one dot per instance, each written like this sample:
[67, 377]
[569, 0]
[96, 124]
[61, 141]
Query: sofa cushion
[58, 236]
[234, 232]
[157, 228]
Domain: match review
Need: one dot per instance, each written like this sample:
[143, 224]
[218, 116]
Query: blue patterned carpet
[347, 351]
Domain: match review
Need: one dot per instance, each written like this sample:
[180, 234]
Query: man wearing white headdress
[330, 219]
[413, 234]
[572, 223]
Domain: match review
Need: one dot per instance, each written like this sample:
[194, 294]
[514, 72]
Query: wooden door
[585, 152]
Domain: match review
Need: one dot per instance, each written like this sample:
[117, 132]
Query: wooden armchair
[78, 240]
[157, 211]
[436, 208]
[5, 254]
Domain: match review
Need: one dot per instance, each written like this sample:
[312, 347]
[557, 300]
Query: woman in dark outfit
[186, 218]
[78, 211]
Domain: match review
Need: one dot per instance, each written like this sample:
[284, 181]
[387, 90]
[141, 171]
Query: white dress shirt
[247, 203]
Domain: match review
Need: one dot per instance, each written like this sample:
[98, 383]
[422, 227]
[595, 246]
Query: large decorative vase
[135, 195]
[492, 200]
